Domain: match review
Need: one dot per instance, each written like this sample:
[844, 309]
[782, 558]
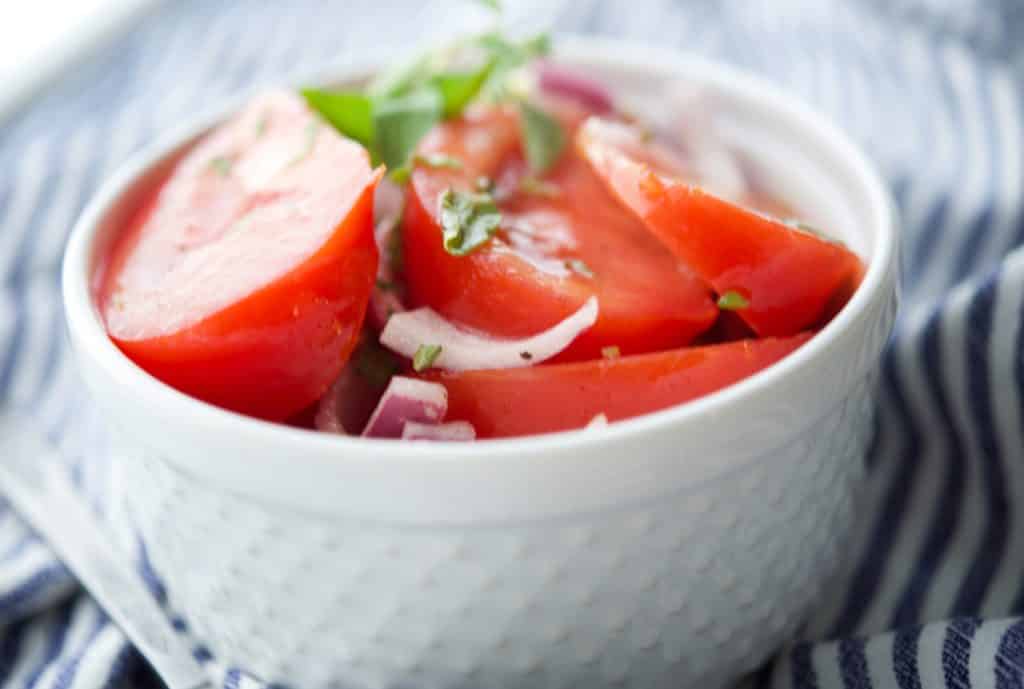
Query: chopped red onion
[404, 400]
[562, 82]
[454, 431]
[599, 421]
[464, 350]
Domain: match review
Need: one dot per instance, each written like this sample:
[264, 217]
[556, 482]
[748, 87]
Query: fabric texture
[930, 88]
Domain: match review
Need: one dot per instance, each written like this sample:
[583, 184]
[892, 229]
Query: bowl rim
[85, 322]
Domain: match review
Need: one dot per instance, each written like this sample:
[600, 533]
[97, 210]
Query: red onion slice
[453, 431]
[463, 350]
[404, 400]
[562, 82]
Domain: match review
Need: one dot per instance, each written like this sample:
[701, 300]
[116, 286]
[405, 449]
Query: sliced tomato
[560, 242]
[789, 276]
[245, 280]
[558, 397]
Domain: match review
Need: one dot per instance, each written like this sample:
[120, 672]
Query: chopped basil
[375, 364]
[400, 123]
[579, 267]
[459, 89]
[732, 301]
[491, 4]
[437, 160]
[400, 175]
[222, 165]
[468, 221]
[611, 352]
[348, 112]
[525, 356]
[530, 184]
[543, 138]
[508, 56]
[425, 357]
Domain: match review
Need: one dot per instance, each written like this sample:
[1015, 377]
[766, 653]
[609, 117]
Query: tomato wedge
[789, 276]
[562, 239]
[558, 397]
[245, 279]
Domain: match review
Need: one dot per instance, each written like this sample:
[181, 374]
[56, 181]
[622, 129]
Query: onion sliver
[404, 400]
[463, 350]
[453, 431]
[562, 82]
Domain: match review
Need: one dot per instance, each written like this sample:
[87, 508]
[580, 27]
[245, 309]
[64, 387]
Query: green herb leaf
[508, 56]
[349, 113]
[611, 352]
[530, 184]
[732, 301]
[459, 89]
[425, 357]
[491, 4]
[402, 78]
[222, 165]
[543, 138]
[437, 161]
[579, 267]
[400, 123]
[468, 221]
[400, 175]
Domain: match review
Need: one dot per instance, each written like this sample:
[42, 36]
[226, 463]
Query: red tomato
[556, 247]
[245, 280]
[558, 397]
[789, 276]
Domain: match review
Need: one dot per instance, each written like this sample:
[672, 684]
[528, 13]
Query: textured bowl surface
[676, 549]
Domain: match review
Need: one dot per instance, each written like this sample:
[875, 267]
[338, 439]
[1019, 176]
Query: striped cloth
[931, 88]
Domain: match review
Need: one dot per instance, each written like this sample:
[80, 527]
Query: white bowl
[675, 549]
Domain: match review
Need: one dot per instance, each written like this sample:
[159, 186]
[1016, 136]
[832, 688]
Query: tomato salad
[478, 244]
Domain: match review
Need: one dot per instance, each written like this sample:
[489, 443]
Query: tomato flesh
[789, 276]
[555, 249]
[245, 280]
[559, 397]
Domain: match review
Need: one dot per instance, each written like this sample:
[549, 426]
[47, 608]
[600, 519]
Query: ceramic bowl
[676, 549]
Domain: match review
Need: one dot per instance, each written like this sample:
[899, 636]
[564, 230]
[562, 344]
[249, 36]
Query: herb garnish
[531, 184]
[611, 352]
[468, 221]
[425, 357]
[543, 138]
[222, 165]
[732, 301]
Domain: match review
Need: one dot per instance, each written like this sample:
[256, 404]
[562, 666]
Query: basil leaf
[425, 357]
[400, 123]
[543, 138]
[402, 77]
[732, 301]
[468, 221]
[350, 113]
[491, 4]
[507, 57]
[459, 89]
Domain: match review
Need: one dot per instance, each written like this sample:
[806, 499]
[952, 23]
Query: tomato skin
[648, 301]
[791, 278]
[275, 352]
[558, 397]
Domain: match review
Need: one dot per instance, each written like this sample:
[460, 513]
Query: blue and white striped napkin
[931, 88]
